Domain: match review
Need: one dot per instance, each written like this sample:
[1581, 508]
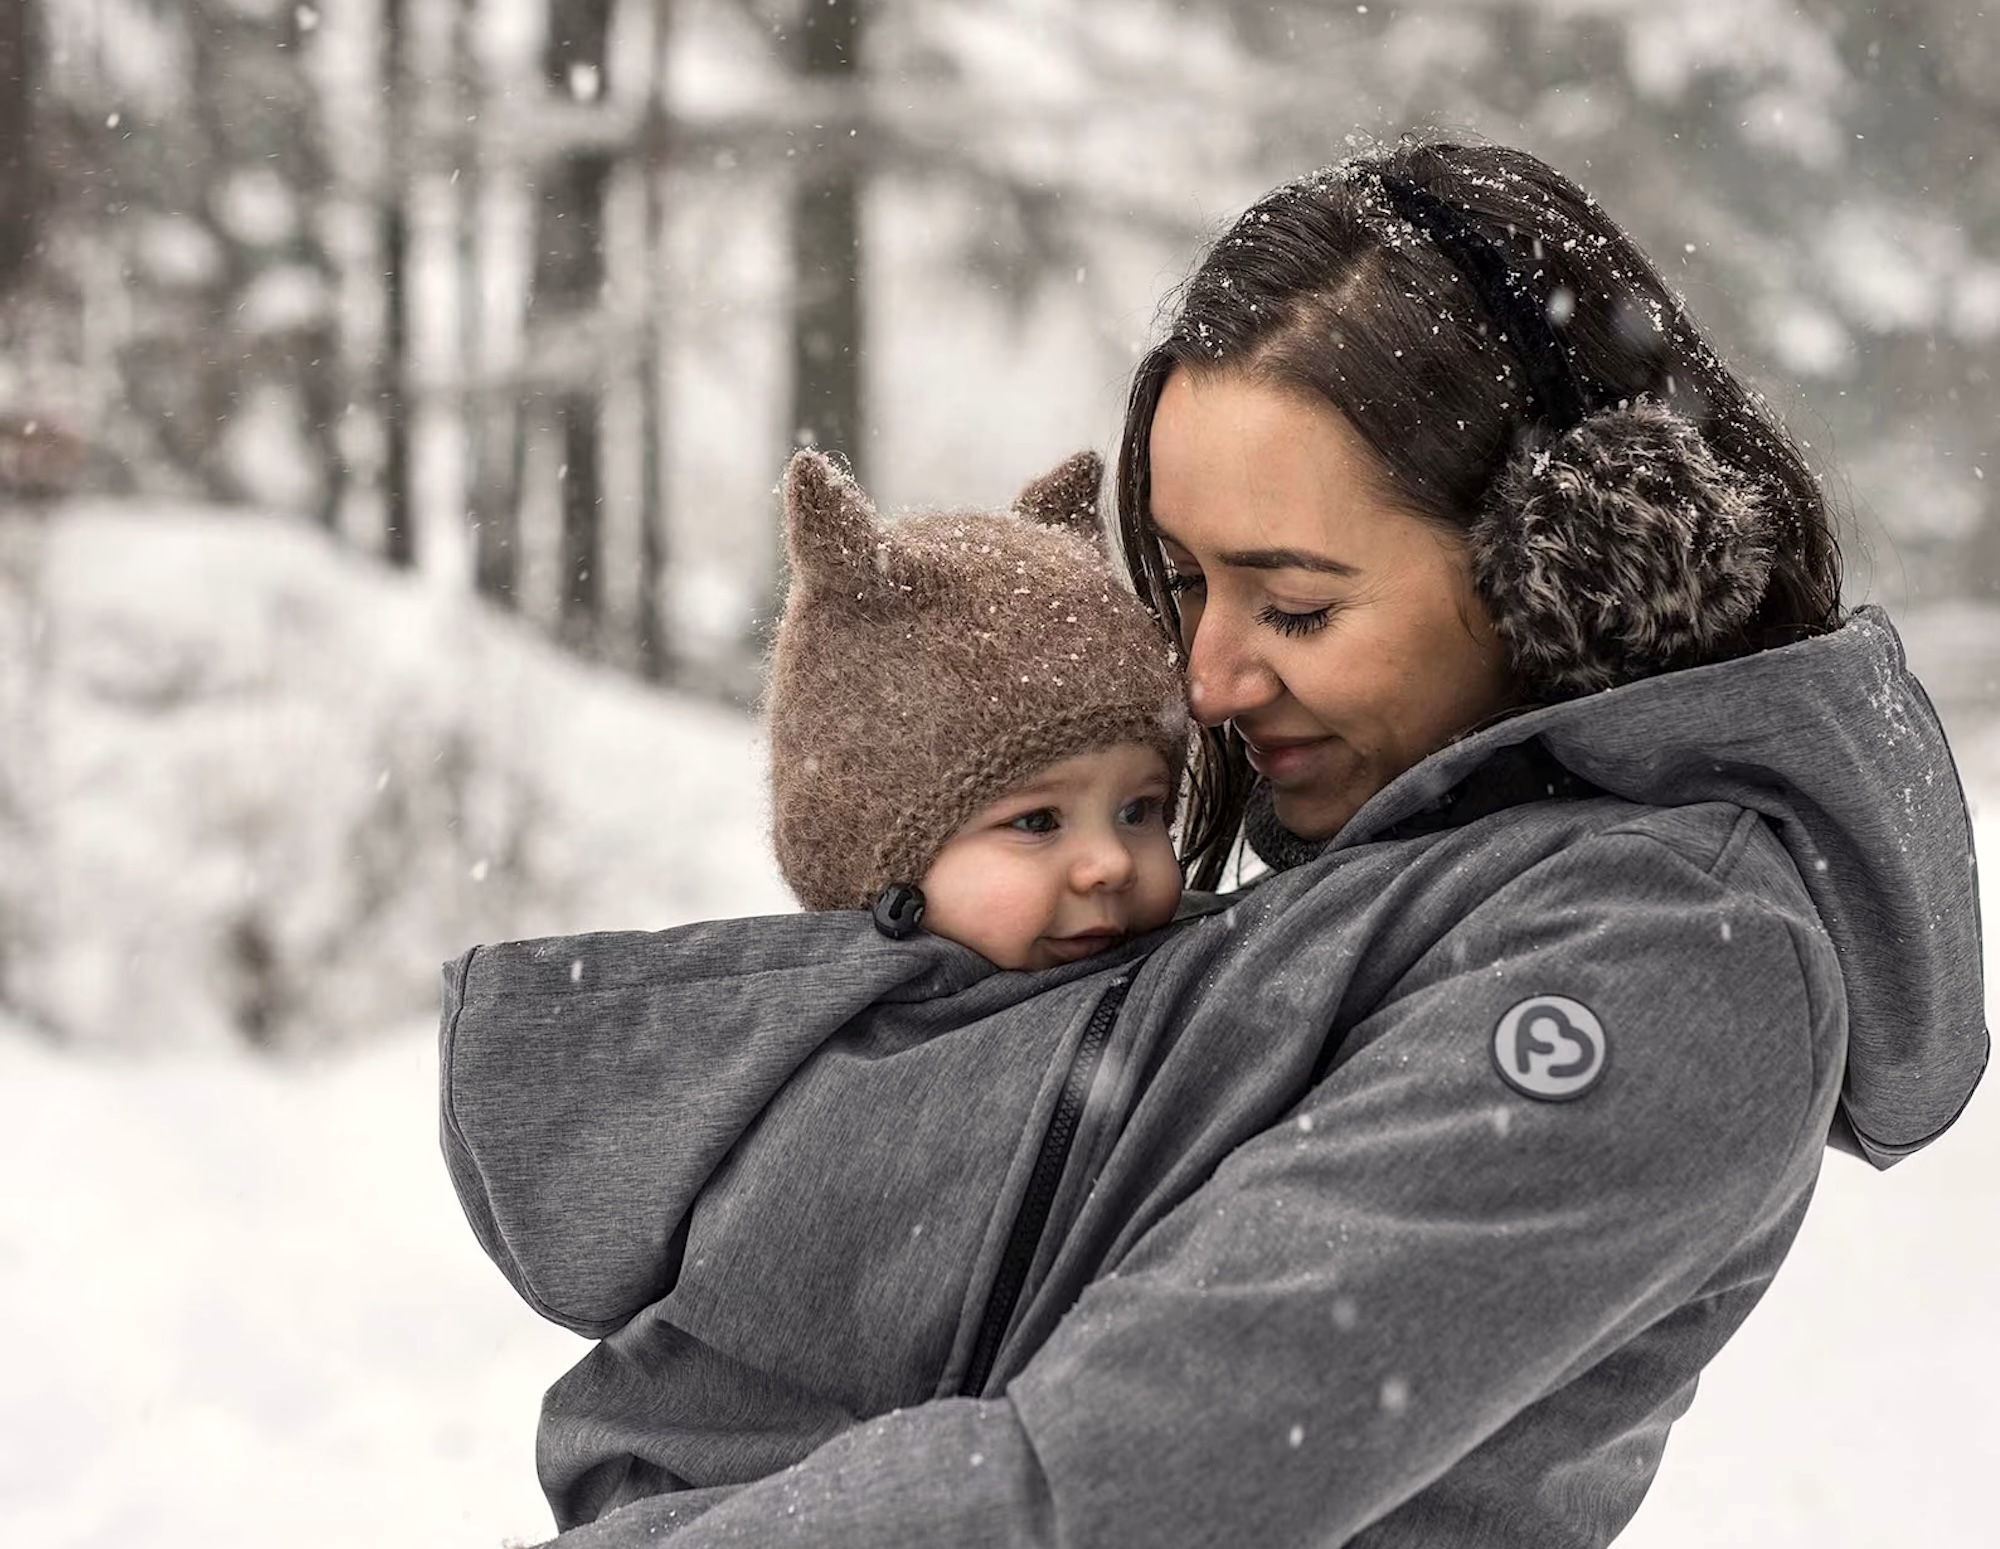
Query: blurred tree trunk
[22, 674]
[827, 406]
[651, 627]
[201, 404]
[321, 361]
[828, 410]
[24, 748]
[22, 185]
[569, 283]
[491, 411]
[399, 536]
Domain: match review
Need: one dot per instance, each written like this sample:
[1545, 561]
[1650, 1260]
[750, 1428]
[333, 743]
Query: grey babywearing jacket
[1399, 1201]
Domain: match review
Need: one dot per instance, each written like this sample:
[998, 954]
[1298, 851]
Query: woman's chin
[1312, 814]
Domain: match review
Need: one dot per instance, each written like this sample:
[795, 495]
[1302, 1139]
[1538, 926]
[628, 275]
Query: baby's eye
[1140, 811]
[1041, 821]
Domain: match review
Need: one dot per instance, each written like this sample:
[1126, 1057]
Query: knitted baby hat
[925, 668]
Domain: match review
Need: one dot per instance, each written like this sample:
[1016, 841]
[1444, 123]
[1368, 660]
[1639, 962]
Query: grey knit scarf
[1273, 843]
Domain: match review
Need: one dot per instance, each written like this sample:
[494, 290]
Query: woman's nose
[1225, 678]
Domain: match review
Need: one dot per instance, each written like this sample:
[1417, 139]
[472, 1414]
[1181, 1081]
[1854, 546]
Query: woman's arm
[1373, 1291]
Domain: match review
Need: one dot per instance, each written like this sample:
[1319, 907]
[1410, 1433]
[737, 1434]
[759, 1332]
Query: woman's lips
[1284, 760]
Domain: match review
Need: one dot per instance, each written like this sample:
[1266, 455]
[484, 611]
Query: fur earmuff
[1622, 548]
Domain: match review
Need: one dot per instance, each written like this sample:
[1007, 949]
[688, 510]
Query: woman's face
[1339, 634]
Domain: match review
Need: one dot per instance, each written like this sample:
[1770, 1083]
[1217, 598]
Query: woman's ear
[829, 523]
[1066, 497]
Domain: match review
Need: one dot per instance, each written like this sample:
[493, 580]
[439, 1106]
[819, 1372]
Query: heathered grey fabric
[1317, 1274]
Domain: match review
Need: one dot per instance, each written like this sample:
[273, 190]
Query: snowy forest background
[391, 398]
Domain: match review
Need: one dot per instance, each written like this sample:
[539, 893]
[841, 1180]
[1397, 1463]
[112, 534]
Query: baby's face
[1063, 866]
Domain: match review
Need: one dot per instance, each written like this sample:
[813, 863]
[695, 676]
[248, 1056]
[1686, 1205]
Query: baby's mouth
[1083, 943]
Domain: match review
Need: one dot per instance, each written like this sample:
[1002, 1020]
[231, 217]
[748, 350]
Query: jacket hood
[1837, 745]
[598, 1093]
[564, 1062]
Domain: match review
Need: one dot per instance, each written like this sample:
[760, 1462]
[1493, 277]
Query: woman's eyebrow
[1267, 559]
[1287, 559]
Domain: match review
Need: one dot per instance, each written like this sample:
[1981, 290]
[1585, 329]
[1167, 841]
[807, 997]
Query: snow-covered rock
[260, 786]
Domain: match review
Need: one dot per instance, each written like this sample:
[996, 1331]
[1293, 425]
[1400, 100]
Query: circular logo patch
[1550, 1047]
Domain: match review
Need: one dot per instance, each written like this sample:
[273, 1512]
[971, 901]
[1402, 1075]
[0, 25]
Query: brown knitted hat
[926, 668]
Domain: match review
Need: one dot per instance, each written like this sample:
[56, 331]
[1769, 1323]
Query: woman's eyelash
[1290, 624]
[1294, 623]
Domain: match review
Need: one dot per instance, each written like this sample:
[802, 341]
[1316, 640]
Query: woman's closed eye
[1289, 623]
[1286, 621]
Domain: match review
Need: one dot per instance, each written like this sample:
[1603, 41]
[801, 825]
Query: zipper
[1033, 1216]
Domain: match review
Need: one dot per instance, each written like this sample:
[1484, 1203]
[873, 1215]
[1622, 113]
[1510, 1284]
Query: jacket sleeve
[588, 1085]
[1421, 1251]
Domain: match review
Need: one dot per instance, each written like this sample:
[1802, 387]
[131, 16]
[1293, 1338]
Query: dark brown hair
[1321, 287]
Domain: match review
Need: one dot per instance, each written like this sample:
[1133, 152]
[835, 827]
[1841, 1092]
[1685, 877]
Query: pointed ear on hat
[829, 522]
[1066, 497]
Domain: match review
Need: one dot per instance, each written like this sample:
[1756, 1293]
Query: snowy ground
[238, 1303]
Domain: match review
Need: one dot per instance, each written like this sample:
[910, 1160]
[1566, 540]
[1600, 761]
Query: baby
[973, 725]
[793, 1169]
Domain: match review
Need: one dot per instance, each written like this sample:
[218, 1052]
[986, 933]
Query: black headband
[1561, 399]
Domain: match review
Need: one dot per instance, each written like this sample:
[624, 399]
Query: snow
[235, 1286]
[238, 1300]
[348, 776]
[239, 1294]
[1808, 339]
[1856, 1407]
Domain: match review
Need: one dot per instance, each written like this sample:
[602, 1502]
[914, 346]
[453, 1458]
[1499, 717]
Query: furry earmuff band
[1614, 544]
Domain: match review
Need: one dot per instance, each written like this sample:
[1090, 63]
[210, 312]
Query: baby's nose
[1104, 862]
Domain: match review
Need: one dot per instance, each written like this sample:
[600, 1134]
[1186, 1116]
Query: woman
[1614, 875]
